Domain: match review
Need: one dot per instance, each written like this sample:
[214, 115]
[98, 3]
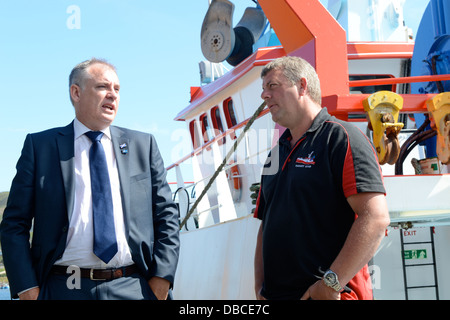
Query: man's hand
[160, 287]
[320, 291]
[31, 294]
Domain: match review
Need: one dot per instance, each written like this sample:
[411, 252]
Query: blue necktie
[105, 245]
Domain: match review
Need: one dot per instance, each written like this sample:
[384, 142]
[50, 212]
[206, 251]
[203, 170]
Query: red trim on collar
[288, 159]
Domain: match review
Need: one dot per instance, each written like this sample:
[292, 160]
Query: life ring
[234, 181]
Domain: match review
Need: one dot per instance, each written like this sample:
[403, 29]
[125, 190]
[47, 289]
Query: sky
[155, 46]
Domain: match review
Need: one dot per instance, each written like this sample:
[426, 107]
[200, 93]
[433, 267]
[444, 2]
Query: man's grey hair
[78, 74]
[294, 69]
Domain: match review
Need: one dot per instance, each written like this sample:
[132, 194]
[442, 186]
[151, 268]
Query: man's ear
[75, 92]
[301, 86]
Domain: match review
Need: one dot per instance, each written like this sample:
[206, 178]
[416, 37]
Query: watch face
[330, 277]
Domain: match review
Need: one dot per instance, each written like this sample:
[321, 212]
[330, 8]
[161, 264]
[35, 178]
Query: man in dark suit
[51, 194]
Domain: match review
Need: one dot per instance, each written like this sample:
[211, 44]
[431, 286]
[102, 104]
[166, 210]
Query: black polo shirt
[303, 206]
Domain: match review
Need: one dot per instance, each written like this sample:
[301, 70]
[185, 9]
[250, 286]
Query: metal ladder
[406, 265]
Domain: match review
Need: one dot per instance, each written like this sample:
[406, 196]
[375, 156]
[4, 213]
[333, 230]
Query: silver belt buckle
[91, 275]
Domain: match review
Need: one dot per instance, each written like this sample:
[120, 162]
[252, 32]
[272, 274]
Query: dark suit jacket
[42, 198]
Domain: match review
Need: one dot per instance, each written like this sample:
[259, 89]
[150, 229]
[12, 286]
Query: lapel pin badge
[123, 148]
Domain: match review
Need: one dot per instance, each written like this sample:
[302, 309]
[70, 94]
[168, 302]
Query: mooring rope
[225, 160]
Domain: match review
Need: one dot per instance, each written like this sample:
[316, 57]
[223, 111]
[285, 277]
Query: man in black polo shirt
[323, 211]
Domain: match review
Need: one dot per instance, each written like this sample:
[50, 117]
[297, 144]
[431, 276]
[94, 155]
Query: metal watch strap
[335, 286]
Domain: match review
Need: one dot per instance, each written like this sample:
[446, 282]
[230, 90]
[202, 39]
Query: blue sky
[155, 46]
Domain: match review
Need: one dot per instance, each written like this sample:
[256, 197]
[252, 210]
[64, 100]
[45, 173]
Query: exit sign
[415, 254]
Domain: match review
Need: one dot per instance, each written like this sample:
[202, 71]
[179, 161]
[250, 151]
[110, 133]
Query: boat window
[230, 115]
[206, 129]
[194, 134]
[217, 123]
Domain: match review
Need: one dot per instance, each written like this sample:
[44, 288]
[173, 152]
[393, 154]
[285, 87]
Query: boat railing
[398, 80]
[190, 187]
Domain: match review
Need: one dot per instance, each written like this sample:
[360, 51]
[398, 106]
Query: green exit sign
[415, 254]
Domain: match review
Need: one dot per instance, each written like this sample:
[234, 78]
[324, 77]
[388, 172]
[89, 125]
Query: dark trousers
[133, 287]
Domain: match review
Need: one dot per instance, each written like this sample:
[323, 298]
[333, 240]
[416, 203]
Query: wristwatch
[331, 280]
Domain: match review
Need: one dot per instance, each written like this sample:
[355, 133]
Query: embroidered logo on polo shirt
[306, 161]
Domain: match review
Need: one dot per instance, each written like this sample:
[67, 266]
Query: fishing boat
[373, 73]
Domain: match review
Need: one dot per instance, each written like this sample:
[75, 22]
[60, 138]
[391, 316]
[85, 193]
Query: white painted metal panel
[217, 262]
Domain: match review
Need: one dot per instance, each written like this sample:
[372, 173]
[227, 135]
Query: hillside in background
[3, 199]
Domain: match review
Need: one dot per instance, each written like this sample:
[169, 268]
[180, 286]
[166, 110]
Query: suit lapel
[120, 146]
[65, 142]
